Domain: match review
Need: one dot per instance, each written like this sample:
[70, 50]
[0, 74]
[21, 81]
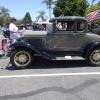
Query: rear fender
[90, 47]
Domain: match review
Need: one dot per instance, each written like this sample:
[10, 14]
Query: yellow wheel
[94, 57]
[21, 58]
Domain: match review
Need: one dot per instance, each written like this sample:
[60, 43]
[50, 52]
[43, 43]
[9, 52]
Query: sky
[18, 8]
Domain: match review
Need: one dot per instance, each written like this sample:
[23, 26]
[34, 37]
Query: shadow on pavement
[41, 63]
[72, 91]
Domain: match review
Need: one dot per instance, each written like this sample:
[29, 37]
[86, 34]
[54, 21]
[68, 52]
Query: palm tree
[41, 14]
[49, 4]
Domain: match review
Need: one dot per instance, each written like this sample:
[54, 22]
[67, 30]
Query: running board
[70, 58]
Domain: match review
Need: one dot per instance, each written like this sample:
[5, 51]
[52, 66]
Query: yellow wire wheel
[22, 58]
[95, 57]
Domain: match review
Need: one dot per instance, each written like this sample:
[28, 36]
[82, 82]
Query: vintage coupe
[65, 36]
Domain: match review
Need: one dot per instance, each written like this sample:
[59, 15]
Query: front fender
[24, 45]
[31, 47]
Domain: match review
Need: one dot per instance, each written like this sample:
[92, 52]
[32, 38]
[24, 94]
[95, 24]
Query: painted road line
[49, 75]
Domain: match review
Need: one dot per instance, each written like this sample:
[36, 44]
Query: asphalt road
[64, 87]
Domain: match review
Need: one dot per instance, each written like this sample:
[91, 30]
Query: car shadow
[41, 63]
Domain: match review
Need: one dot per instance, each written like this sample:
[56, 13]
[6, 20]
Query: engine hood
[34, 33]
[93, 36]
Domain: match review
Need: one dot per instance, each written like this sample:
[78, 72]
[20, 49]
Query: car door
[65, 40]
[59, 41]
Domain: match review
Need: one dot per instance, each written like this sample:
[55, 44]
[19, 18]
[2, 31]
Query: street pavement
[61, 87]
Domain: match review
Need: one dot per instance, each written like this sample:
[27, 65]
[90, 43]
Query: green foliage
[97, 22]
[19, 22]
[70, 7]
[27, 19]
[93, 8]
[4, 16]
[4, 11]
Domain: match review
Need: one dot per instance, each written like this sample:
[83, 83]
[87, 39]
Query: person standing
[14, 35]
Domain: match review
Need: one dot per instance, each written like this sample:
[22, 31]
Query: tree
[92, 2]
[70, 7]
[97, 22]
[4, 11]
[27, 19]
[93, 8]
[4, 16]
[49, 4]
[1, 21]
[19, 22]
[41, 14]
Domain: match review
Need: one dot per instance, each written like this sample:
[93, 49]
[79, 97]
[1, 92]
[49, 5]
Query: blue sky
[18, 8]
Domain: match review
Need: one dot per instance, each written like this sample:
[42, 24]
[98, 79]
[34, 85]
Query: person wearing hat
[13, 30]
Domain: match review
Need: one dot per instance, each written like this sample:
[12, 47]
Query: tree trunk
[49, 12]
[92, 3]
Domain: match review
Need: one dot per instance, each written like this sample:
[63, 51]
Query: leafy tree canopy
[93, 8]
[70, 7]
[4, 16]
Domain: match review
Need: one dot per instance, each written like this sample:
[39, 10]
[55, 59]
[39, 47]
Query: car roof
[64, 18]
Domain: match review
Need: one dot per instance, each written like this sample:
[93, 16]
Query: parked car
[68, 36]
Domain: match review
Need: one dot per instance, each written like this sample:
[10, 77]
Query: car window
[80, 26]
[65, 26]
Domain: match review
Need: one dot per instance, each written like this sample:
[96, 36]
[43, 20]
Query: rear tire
[93, 57]
[21, 58]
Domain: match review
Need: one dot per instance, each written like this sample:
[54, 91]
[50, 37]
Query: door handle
[74, 34]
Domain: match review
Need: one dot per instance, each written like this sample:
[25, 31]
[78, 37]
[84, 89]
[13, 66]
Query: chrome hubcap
[22, 58]
[95, 57]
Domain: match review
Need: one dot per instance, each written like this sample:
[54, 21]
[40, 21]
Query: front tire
[21, 58]
[93, 57]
